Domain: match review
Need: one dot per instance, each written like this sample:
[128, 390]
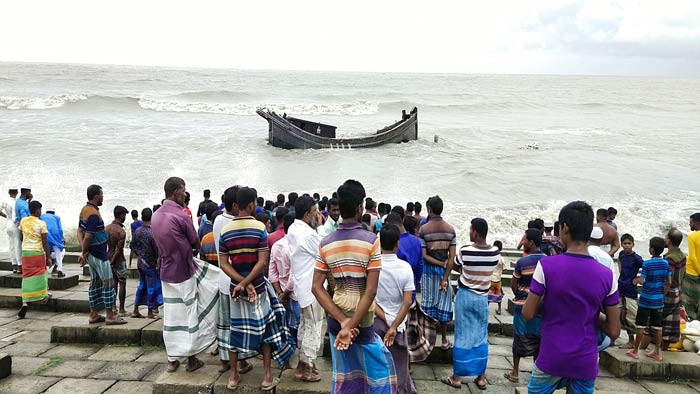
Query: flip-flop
[115, 322]
[224, 368]
[231, 386]
[448, 381]
[480, 386]
[138, 316]
[246, 369]
[448, 345]
[269, 387]
[509, 375]
[100, 319]
[22, 312]
[198, 364]
[172, 367]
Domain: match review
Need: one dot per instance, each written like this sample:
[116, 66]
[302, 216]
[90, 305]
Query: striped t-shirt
[349, 253]
[436, 237]
[477, 266]
[655, 271]
[241, 240]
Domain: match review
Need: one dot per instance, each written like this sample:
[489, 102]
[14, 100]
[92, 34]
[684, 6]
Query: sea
[508, 148]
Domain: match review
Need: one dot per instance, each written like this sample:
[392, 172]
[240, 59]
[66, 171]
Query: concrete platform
[181, 382]
[131, 333]
[5, 365]
[14, 281]
[675, 365]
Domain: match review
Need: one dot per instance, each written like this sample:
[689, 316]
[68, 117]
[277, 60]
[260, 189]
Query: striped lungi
[690, 296]
[189, 312]
[421, 333]
[399, 352]
[471, 347]
[671, 323]
[35, 285]
[101, 290]
[526, 334]
[435, 302]
[261, 322]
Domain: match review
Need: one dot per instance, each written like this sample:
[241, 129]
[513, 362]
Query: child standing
[656, 279]
[496, 292]
[630, 264]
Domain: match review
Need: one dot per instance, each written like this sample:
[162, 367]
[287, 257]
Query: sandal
[22, 312]
[269, 387]
[115, 322]
[480, 386]
[172, 366]
[509, 375]
[447, 345]
[139, 316]
[225, 367]
[246, 369]
[448, 381]
[100, 319]
[194, 364]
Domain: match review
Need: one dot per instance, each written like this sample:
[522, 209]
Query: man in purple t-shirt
[572, 288]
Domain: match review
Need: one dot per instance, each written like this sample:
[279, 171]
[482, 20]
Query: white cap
[26, 186]
[597, 233]
[51, 210]
[548, 224]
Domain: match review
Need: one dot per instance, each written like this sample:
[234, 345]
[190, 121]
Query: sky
[616, 37]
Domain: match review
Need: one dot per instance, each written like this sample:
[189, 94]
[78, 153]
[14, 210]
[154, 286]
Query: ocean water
[628, 142]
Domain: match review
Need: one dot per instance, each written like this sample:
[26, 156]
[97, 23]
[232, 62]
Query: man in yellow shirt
[35, 257]
[690, 289]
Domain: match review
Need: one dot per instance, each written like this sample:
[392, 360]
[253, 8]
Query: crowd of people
[260, 277]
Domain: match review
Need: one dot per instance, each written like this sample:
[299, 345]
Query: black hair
[134, 214]
[410, 223]
[534, 235]
[382, 208]
[480, 226]
[322, 205]
[334, 195]
[155, 207]
[389, 236]
[207, 193]
[601, 212]
[93, 191]
[393, 218]
[399, 209]
[409, 207]
[280, 214]
[229, 197]
[34, 206]
[557, 227]
[538, 224]
[287, 221]
[172, 184]
[675, 237]
[531, 223]
[146, 214]
[316, 196]
[292, 198]
[269, 205]
[209, 208]
[417, 207]
[333, 202]
[435, 205]
[350, 196]
[498, 244]
[578, 217]
[695, 217]
[215, 214]
[387, 208]
[245, 196]
[657, 245]
[303, 205]
[612, 211]
[626, 237]
[259, 201]
[262, 217]
[120, 210]
[366, 218]
[280, 199]
[369, 203]
[187, 197]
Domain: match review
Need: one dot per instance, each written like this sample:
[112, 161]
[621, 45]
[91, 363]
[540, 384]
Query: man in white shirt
[333, 220]
[394, 298]
[303, 244]
[599, 254]
[7, 210]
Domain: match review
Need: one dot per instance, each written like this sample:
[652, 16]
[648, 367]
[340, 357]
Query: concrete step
[5, 365]
[137, 332]
[132, 273]
[675, 365]
[523, 390]
[14, 281]
[61, 301]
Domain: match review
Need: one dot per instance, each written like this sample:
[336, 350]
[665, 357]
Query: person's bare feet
[655, 355]
[633, 354]
[299, 371]
[233, 381]
[628, 345]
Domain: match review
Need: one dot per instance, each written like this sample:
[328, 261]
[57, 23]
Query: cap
[51, 210]
[597, 233]
[548, 224]
[25, 186]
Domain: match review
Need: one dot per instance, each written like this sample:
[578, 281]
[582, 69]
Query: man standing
[612, 214]
[133, 226]
[476, 263]
[361, 362]
[203, 204]
[56, 240]
[410, 250]
[595, 251]
[189, 286]
[333, 217]
[93, 242]
[36, 255]
[8, 211]
[303, 244]
[279, 232]
[439, 242]
[568, 356]
[690, 289]
[149, 292]
[610, 242]
[21, 212]
[116, 239]
[281, 279]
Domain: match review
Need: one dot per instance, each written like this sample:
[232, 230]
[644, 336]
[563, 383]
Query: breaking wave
[15, 102]
[354, 108]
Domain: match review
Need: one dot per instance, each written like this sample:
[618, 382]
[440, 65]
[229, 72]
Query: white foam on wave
[569, 131]
[17, 102]
[353, 108]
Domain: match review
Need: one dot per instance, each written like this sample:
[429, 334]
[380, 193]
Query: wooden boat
[294, 133]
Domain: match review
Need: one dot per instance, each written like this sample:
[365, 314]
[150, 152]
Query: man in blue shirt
[410, 249]
[630, 264]
[22, 204]
[56, 240]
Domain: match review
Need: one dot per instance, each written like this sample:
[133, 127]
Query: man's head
[627, 242]
[399, 210]
[245, 199]
[435, 205]
[369, 204]
[601, 215]
[187, 198]
[351, 194]
[229, 200]
[120, 213]
[389, 238]
[51, 211]
[394, 219]
[95, 195]
[596, 237]
[612, 213]
[25, 191]
[674, 237]
[292, 198]
[410, 207]
[533, 239]
[317, 197]
[410, 223]
[280, 200]
[280, 213]
[538, 224]
[134, 215]
[548, 226]
[498, 244]
[35, 208]
[175, 190]
[269, 205]
[366, 219]
[260, 201]
[287, 221]
[13, 192]
[207, 194]
[576, 221]
[322, 205]
[146, 214]
[209, 208]
[557, 228]
[417, 207]
[656, 246]
[305, 210]
[334, 209]
[381, 209]
[263, 218]
[478, 230]
[695, 221]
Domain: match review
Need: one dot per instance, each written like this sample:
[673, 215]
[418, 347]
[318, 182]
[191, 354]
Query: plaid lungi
[690, 296]
[261, 322]
[671, 324]
[436, 303]
[421, 333]
[101, 290]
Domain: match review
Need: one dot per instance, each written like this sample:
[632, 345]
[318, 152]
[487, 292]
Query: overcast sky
[554, 37]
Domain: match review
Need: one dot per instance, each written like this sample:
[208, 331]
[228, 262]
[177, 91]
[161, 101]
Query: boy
[630, 264]
[394, 298]
[656, 280]
[496, 292]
